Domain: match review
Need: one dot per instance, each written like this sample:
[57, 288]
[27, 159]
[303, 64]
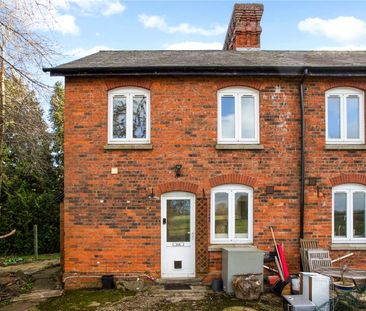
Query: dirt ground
[23, 286]
[156, 299]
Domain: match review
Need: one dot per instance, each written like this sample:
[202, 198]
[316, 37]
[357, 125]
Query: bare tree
[23, 53]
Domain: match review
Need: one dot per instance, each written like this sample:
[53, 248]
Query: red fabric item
[272, 279]
[283, 261]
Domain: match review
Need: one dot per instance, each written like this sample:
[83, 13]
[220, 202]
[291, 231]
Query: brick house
[171, 155]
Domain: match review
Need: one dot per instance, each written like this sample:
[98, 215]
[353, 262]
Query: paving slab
[38, 295]
[31, 267]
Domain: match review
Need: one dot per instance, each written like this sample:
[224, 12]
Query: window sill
[348, 246]
[345, 147]
[128, 147]
[239, 147]
[219, 247]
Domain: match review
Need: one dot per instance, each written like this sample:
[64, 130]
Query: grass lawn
[83, 300]
[18, 259]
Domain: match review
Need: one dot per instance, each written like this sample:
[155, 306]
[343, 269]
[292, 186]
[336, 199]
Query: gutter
[302, 150]
[324, 71]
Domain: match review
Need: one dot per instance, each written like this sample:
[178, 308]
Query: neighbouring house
[172, 155]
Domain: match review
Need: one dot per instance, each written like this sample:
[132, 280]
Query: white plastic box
[316, 288]
[297, 303]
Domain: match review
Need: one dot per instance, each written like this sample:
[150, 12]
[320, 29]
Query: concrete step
[188, 281]
[194, 288]
[38, 295]
[197, 292]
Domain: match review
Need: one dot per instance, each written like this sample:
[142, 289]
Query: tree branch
[8, 234]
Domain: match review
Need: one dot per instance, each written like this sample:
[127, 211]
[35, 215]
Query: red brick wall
[331, 167]
[62, 232]
[111, 225]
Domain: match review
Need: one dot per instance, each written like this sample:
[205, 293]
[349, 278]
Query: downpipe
[302, 150]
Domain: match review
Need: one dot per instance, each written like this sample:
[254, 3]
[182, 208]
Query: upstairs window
[349, 213]
[344, 116]
[238, 116]
[128, 116]
[232, 214]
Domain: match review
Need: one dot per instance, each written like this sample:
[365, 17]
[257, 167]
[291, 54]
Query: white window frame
[343, 93]
[129, 92]
[237, 93]
[349, 189]
[231, 190]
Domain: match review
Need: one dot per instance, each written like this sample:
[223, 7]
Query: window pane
[178, 220]
[340, 214]
[119, 117]
[334, 117]
[353, 117]
[221, 215]
[241, 215]
[139, 116]
[359, 214]
[247, 117]
[228, 116]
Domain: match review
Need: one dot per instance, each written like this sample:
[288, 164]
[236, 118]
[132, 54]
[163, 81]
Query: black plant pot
[217, 285]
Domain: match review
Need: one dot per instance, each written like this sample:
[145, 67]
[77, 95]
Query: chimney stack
[244, 31]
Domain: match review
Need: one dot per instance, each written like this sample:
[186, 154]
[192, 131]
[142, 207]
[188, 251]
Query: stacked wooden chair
[318, 258]
[314, 258]
[305, 246]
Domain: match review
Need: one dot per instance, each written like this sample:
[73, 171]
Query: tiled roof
[114, 61]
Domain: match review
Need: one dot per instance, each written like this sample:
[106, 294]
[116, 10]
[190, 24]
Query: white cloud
[54, 15]
[159, 22]
[342, 29]
[113, 8]
[66, 24]
[46, 16]
[92, 7]
[194, 45]
[81, 52]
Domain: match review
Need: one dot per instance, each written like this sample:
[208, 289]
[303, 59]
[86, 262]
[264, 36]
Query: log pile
[247, 286]
[12, 284]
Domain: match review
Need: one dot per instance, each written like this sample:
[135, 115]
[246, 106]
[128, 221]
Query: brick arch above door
[348, 179]
[178, 186]
[232, 179]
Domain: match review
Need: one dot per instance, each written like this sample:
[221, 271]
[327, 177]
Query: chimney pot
[244, 30]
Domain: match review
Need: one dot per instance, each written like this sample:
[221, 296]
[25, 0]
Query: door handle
[164, 221]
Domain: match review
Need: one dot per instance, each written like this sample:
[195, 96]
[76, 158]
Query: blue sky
[85, 26]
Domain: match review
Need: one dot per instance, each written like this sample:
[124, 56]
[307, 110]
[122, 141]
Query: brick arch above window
[232, 179]
[184, 186]
[338, 85]
[250, 85]
[348, 179]
[110, 85]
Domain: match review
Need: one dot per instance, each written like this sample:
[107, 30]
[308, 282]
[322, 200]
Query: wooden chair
[318, 258]
[305, 245]
[316, 263]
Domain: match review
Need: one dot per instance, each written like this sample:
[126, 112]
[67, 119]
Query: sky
[82, 27]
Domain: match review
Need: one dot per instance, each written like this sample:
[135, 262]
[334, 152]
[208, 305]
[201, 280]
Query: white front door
[178, 235]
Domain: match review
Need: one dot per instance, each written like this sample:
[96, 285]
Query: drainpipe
[302, 149]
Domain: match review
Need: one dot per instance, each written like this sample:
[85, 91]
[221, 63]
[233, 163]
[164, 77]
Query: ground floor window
[349, 213]
[231, 214]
